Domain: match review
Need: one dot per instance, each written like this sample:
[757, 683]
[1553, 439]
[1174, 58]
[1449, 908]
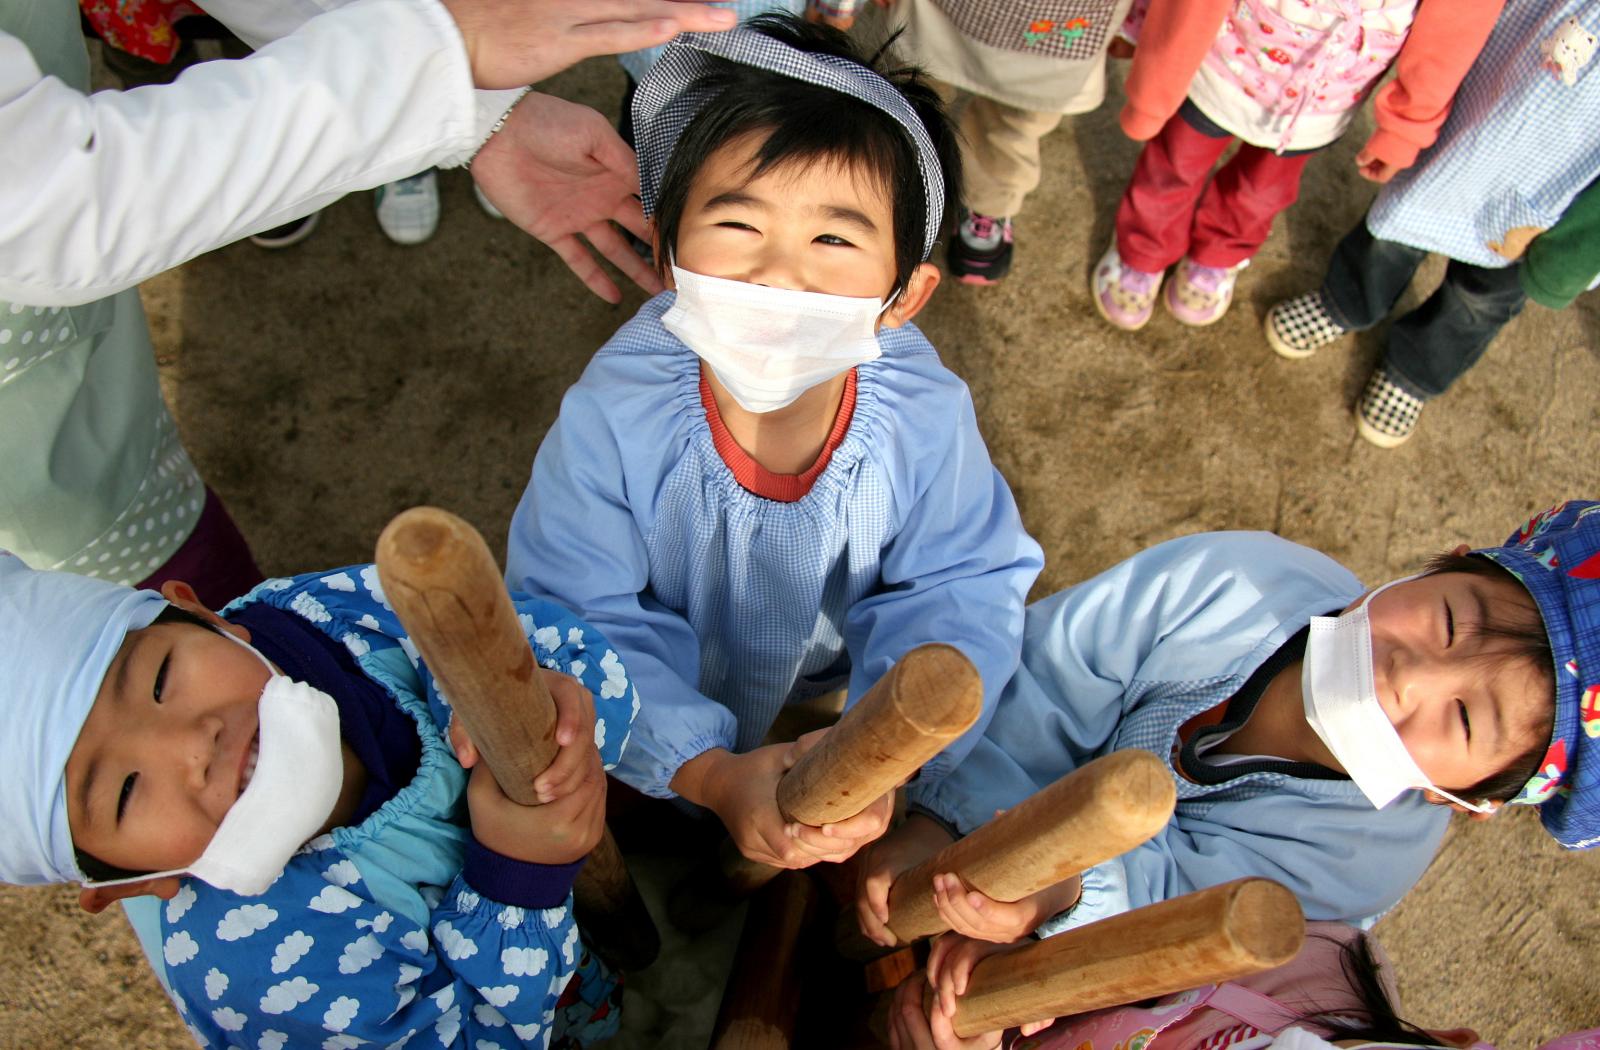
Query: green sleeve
[1563, 260]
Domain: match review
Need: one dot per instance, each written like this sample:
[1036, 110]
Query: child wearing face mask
[1309, 727]
[336, 866]
[766, 485]
[1339, 991]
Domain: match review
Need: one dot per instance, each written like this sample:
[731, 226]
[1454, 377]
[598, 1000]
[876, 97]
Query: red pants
[1170, 209]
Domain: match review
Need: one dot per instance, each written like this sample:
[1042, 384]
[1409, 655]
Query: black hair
[1524, 640]
[1375, 1019]
[95, 869]
[807, 122]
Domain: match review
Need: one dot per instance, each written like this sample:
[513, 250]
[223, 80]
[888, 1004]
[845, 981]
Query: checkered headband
[673, 93]
[1556, 556]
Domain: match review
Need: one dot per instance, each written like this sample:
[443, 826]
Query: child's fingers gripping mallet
[575, 720]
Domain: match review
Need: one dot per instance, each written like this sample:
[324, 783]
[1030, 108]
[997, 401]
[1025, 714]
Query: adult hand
[558, 170]
[512, 43]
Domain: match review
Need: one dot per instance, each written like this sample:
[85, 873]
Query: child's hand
[743, 791]
[559, 832]
[1373, 169]
[1120, 47]
[976, 915]
[907, 846]
[950, 965]
[574, 725]
[914, 1026]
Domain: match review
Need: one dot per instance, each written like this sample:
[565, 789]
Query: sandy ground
[325, 388]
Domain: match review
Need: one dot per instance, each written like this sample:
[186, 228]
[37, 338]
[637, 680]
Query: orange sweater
[1444, 40]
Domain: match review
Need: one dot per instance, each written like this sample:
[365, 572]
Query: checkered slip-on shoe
[408, 210]
[1301, 326]
[1386, 415]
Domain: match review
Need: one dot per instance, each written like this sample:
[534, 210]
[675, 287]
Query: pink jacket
[1444, 40]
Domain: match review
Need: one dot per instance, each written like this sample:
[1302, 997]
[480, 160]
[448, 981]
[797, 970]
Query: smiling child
[766, 485]
[1310, 726]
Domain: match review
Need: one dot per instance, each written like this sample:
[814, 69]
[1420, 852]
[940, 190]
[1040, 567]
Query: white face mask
[1341, 703]
[768, 346]
[298, 773]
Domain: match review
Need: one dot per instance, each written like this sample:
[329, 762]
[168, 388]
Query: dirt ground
[324, 388]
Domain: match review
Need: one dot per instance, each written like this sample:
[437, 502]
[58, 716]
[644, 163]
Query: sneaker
[1387, 414]
[483, 202]
[1124, 296]
[287, 234]
[1199, 295]
[408, 210]
[980, 252]
[1299, 327]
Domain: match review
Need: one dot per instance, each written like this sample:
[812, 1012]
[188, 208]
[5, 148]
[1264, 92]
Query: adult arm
[1444, 41]
[957, 569]
[107, 190]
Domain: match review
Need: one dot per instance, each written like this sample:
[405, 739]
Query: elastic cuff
[519, 882]
[923, 811]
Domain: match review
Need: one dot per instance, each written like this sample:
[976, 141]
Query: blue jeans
[1433, 345]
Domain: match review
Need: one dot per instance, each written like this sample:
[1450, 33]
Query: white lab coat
[99, 192]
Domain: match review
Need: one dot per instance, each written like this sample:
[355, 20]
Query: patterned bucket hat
[1556, 556]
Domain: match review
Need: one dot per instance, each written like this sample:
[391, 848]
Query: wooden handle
[449, 595]
[1214, 935]
[762, 1001]
[448, 592]
[926, 700]
[1098, 811]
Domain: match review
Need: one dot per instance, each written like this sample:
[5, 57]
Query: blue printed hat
[1556, 556]
[58, 634]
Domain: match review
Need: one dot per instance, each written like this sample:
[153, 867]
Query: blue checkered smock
[725, 605]
[1520, 142]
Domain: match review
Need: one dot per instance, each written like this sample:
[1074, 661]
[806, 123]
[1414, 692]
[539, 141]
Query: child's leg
[1000, 161]
[1000, 154]
[1235, 212]
[1157, 209]
[1366, 277]
[1434, 345]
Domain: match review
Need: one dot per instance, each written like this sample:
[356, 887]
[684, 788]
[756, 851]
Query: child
[353, 880]
[768, 479]
[1340, 990]
[1026, 66]
[1293, 738]
[1286, 78]
[1512, 161]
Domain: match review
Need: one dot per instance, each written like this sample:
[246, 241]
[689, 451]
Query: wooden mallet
[1098, 811]
[446, 589]
[1207, 937]
[930, 697]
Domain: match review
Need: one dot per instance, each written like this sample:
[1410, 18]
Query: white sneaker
[408, 210]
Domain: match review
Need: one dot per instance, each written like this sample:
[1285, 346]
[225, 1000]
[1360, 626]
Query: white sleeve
[103, 191]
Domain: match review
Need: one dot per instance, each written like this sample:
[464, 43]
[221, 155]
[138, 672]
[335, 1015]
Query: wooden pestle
[932, 695]
[762, 1002]
[1098, 811]
[1207, 937]
[446, 589]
